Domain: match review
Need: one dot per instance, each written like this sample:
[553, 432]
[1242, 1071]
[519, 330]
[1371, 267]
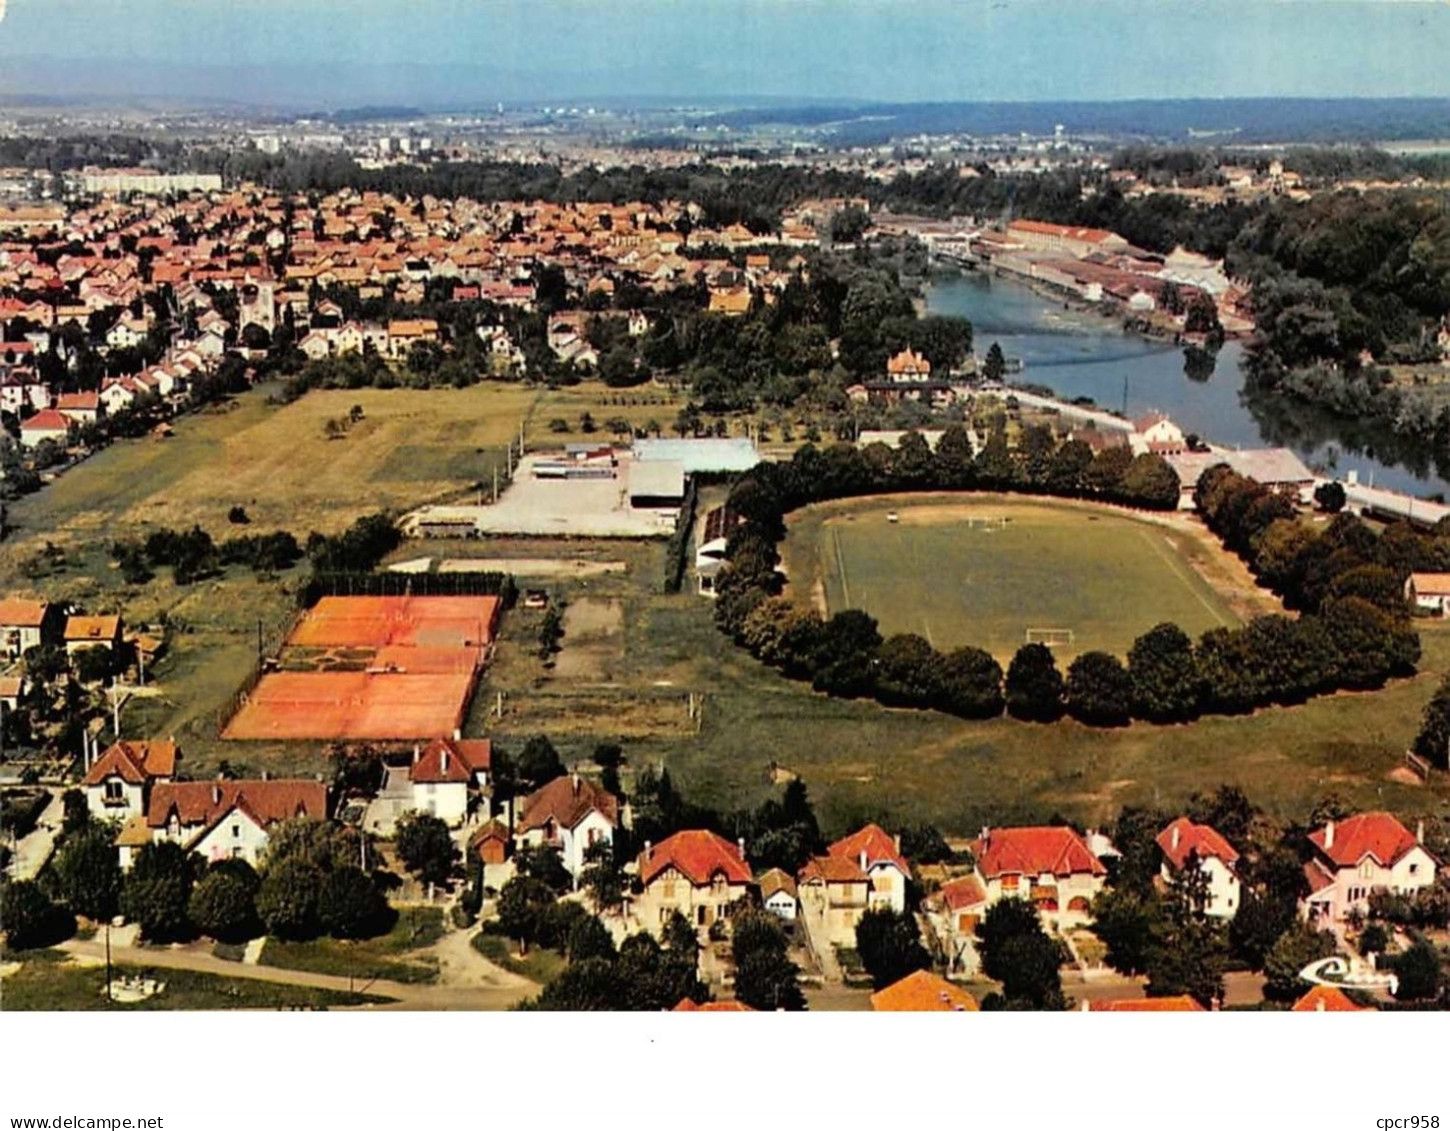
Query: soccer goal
[1052, 637]
[984, 522]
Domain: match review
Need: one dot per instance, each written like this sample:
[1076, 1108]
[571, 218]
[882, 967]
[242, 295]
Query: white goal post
[983, 522]
[1050, 636]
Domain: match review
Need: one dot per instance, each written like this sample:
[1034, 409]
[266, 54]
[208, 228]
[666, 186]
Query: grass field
[388, 957]
[58, 985]
[1105, 577]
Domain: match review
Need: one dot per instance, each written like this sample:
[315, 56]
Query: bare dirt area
[593, 639]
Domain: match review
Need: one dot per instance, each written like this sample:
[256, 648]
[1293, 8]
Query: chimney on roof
[986, 837]
[1319, 1005]
[1420, 831]
[649, 850]
[1329, 834]
[740, 844]
[862, 857]
[1086, 1005]
[443, 760]
[574, 779]
[216, 793]
[1175, 838]
[266, 775]
[897, 841]
[457, 735]
[417, 752]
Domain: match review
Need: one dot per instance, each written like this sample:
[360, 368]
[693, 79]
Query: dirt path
[468, 981]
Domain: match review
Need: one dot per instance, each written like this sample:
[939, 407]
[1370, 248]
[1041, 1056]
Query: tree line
[1354, 631]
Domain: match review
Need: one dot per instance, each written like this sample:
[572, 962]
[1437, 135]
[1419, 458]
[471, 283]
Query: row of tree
[1357, 636]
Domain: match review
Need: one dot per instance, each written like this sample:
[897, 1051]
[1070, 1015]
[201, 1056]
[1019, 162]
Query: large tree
[223, 905]
[350, 906]
[426, 848]
[765, 977]
[1099, 689]
[1034, 685]
[1018, 953]
[889, 943]
[87, 873]
[1164, 675]
[287, 898]
[158, 890]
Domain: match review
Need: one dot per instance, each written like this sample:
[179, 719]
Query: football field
[996, 573]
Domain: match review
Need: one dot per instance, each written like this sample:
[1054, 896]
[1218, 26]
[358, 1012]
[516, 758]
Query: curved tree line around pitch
[1346, 582]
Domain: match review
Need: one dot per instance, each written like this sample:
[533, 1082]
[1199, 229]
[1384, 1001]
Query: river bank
[1083, 353]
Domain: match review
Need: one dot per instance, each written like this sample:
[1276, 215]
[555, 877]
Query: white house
[1428, 592]
[954, 910]
[698, 873]
[222, 820]
[1214, 857]
[778, 894]
[571, 814]
[878, 854]
[1360, 855]
[1049, 866]
[443, 774]
[24, 625]
[118, 783]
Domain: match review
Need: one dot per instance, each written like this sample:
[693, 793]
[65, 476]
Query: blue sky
[346, 52]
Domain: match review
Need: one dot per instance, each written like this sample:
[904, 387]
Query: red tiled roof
[202, 802]
[1036, 851]
[46, 420]
[17, 612]
[923, 992]
[134, 763]
[451, 760]
[1431, 584]
[1204, 840]
[566, 801]
[1379, 835]
[832, 870]
[688, 1006]
[963, 892]
[876, 843]
[1327, 999]
[1182, 1004]
[103, 629]
[696, 854]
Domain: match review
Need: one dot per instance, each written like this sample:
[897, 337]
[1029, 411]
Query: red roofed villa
[1051, 866]
[695, 872]
[1359, 855]
[1215, 858]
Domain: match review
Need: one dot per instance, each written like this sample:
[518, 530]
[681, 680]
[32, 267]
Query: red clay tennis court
[427, 652]
[406, 622]
[289, 706]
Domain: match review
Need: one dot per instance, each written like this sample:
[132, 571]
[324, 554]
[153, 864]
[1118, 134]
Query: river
[1081, 354]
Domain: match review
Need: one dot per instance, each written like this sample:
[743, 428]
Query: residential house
[1358, 856]
[1327, 999]
[858, 872]
[1180, 1004]
[1429, 593]
[225, 819]
[444, 773]
[1183, 841]
[403, 335]
[695, 872]
[908, 366]
[47, 424]
[954, 911]
[923, 992]
[833, 894]
[82, 632]
[83, 408]
[12, 690]
[689, 1005]
[778, 894]
[571, 814]
[118, 784]
[26, 624]
[1049, 866]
